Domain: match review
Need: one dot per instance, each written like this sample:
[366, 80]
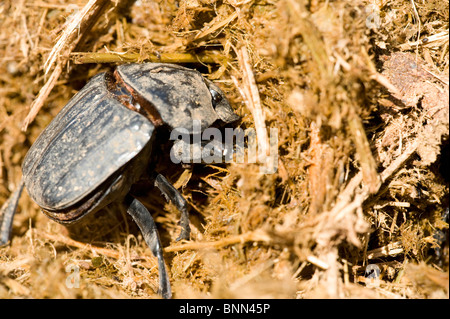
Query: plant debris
[358, 93]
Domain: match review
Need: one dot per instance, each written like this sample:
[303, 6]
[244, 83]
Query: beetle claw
[172, 194]
[185, 231]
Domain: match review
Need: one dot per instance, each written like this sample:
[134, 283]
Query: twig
[216, 26]
[252, 100]
[41, 24]
[391, 249]
[366, 160]
[375, 75]
[319, 171]
[395, 165]
[417, 17]
[443, 80]
[317, 262]
[356, 181]
[70, 242]
[69, 39]
[381, 79]
[70, 36]
[95, 250]
[254, 236]
[356, 192]
[42, 96]
[431, 40]
[112, 57]
[392, 203]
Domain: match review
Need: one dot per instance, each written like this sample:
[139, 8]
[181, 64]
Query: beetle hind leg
[172, 194]
[146, 224]
[7, 213]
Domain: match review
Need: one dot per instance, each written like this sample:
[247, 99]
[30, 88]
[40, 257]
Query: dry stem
[254, 236]
[115, 57]
[251, 97]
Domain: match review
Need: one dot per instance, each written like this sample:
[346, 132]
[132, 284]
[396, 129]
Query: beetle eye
[216, 97]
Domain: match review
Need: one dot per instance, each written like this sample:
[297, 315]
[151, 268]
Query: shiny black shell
[88, 141]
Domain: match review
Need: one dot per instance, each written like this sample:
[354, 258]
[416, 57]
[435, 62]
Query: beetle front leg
[7, 213]
[172, 194]
[144, 220]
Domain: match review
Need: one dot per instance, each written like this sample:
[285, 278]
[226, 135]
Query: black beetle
[101, 143]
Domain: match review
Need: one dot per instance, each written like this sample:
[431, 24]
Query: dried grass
[361, 108]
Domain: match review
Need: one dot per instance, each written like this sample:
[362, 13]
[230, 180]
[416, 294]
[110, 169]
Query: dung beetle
[103, 141]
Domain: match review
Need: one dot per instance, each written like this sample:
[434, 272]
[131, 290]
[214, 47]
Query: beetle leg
[172, 194]
[144, 220]
[7, 214]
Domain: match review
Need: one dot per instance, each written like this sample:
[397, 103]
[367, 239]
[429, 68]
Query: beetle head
[176, 95]
[220, 104]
